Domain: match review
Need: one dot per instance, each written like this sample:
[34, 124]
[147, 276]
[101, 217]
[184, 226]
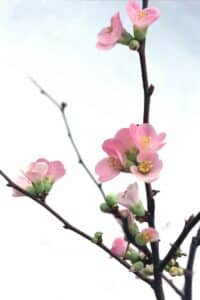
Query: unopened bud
[137, 266]
[134, 45]
[132, 255]
[111, 200]
[105, 208]
[97, 239]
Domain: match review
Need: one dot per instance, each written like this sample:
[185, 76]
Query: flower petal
[105, 171]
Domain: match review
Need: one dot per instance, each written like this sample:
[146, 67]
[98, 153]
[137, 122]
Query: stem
[148, 90]
[61, 108]
[189, 224]
[195, 243]
[67, 225]
[170, 282]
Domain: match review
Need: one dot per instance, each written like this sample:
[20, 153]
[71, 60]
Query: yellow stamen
[145, 167]
[114, 163]
[141, 14]
[145, 141]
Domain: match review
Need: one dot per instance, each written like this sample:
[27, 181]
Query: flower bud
[137, 266]
[134, 45]
[132, 255]
[105, 208]
[97, 239]
[148, 270]
[111, 200]
[138, 209]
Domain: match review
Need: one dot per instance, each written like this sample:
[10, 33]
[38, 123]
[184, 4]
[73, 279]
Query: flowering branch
[67, 225]
[195, 243]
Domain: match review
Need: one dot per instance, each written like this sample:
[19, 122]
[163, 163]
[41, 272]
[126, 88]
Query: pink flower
[130, 197]
[109, 36]
[39, 177]
[149, 235]
[141, 18]
[148, 167]
[147, 140]
[119, 247]
[132, 150]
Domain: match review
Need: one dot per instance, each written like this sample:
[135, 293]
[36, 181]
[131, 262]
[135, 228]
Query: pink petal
[101, 46]
[22, 182]
[56, 170]
[153, 14]
[125, 138]
[114, 148]
[37, 171]
[133, 8]
[105, 171]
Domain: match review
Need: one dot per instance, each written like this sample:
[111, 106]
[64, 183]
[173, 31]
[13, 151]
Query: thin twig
[189, 224]
[62, 108]
[67, 225]
[195, 243]
[171, 283]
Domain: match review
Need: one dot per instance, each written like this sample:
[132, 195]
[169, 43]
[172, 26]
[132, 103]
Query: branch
[195, 243]
[61, 108]
[173, 286]
[189, 224]
[67, 225]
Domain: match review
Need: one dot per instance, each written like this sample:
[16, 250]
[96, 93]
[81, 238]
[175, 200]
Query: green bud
[105, 208]
[138, 209]
[140, 33]
[139, 240]
[174, 271]
[148, 270]
[137, 266]
[97, 239]
[134, 45]
[133, 229]
[132, 255]
[111, 200]
[172, 262]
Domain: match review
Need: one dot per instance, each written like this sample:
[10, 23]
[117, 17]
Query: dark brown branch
[148, 90]
[195, 243]
[189, 224]
[62, 107]
[67, 225]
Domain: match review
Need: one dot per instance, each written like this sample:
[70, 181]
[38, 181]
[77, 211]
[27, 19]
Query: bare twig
[173, 286]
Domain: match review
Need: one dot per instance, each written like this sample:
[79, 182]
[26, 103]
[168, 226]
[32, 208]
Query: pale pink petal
[130, 197]
[102, 46]
[105, 171]
[124, 136]
[37, 171]
[133, 131]
[117, 27]
[114, 148]
[119, 247]
[152, 14]
[150, 234]
[22, 182]
[56, 170]
[133, 8]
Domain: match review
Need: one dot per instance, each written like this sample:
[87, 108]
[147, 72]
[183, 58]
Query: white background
[54, 41]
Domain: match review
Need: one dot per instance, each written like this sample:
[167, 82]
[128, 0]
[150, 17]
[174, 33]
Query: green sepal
[138, 266]
[105, 208]
[140, 33]
[133, 229]
[125, 39]
[139, 240]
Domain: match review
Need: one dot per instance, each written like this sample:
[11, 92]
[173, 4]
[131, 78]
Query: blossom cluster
[132, 150]
[108, 37]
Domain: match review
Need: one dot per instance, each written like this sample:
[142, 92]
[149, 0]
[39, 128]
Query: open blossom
[148, 167]
[149, 235]
[132, 150]
[39, 177]
[147, 140]
[119, 247]
[109, 36]
[141, 18]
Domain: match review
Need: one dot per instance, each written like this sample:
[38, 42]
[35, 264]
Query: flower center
[114, 163]
[145, 141]
[146, 236]
[141, 14]
[145, 166]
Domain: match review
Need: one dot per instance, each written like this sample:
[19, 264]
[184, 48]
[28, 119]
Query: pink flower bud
[119, 247]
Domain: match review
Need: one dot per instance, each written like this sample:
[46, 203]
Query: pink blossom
[148, 167]
[149, 235]
[130, 197]
[141, 18]
[39, 176]
[119, 247]
[132, 150]
[109, 36]
[147, 140]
